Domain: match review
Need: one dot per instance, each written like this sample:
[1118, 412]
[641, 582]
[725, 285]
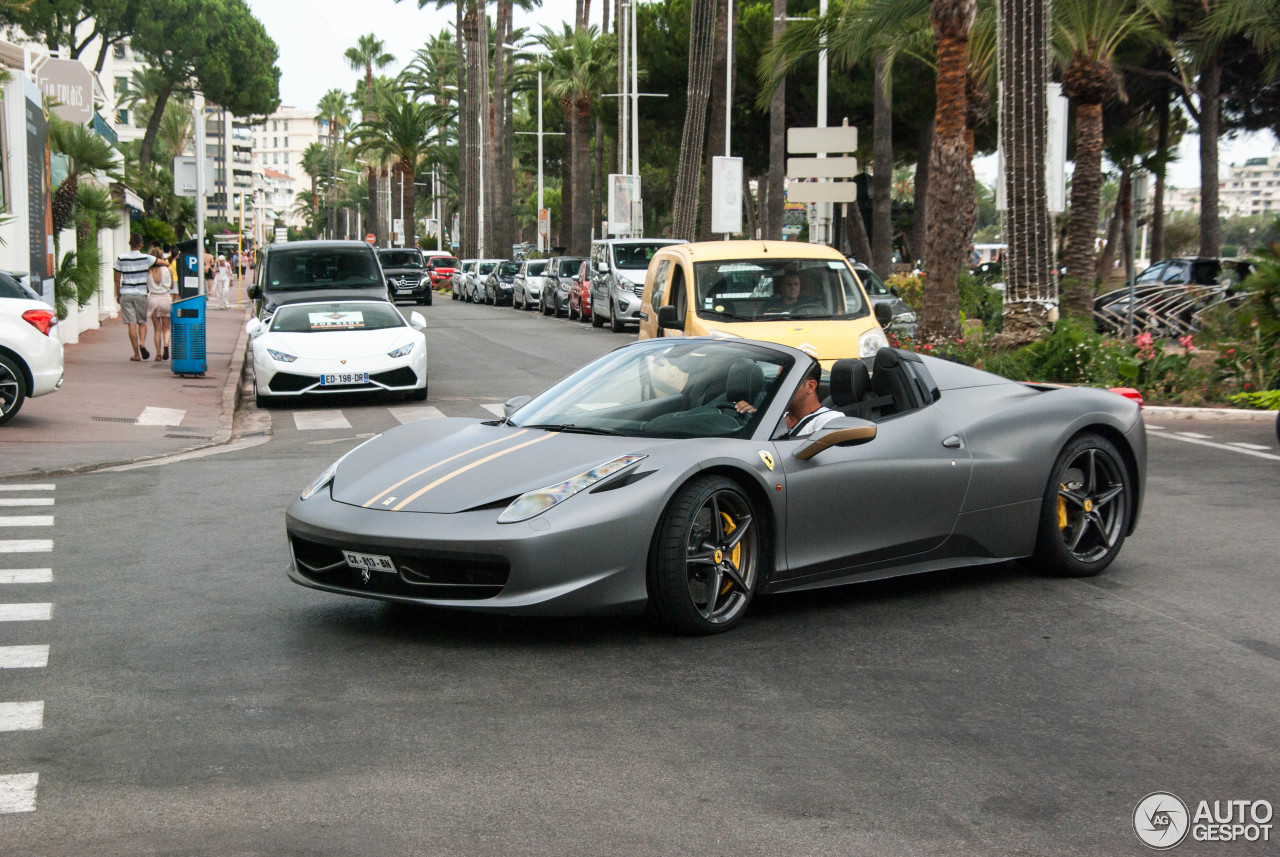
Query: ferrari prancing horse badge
[767, 459]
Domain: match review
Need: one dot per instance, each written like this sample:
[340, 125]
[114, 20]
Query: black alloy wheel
[705, 563]
[1084, 516]
[13, 389]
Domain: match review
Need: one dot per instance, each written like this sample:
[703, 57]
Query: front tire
[417, 395]
[1085, 512]
[705, 563]
[13, 389]
[596, 320]
[616, 324]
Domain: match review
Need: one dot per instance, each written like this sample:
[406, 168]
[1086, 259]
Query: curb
[1225, 414]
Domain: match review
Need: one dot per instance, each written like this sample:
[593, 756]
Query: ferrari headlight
[402, 351]
[329, 472]
[871, 342]
[534, 503]
[280, 356]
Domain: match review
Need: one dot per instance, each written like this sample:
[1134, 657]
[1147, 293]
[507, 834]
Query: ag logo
[1161, 820]
[767, 459]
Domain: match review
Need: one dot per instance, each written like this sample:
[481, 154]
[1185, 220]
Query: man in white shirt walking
[131, 293]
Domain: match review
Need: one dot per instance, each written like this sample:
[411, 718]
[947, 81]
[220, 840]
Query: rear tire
[706, 559]
[13, 389]
[596, 320]
[1084, 516]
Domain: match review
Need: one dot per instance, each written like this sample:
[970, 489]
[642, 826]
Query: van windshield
[635, 256]
[400, 258]
[777, 290]
[309, 267]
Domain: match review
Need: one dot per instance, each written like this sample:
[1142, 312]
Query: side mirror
[254, 291]
[515, 403]
[253, 327]
[416, 321]
[894, 291]
[884, 315]
[602, 267]
[846, 431]
[669, 319]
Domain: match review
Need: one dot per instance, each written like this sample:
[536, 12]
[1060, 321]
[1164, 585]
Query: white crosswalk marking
[18, 792]
[26, 545]
[1198, 442]
[415, 413]
[23, 657]
[26, 501]
[1155, 428]
[161, 417]
[1243, 445]
[493, 408]
[26, 487]
[26, 520]
[311, 420]
[26, 575]
[16, 716]
[1195, 435]
[33, 612]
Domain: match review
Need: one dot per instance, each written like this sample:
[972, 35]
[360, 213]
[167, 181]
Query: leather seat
[850, 385]
[892, 381]
[745, 383]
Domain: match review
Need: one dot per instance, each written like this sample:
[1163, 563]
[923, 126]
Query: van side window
[678, 292]
[659, 284]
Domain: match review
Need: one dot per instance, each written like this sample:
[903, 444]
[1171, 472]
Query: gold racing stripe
[461, 470]
[391, 488]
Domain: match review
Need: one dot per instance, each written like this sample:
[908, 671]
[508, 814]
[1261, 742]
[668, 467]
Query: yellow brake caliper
[1062, 510]
[729, 527]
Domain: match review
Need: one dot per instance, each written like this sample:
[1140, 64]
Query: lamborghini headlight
[871, 342]
[329, 472]
[534, 503]
[402, 351]
[280, 356]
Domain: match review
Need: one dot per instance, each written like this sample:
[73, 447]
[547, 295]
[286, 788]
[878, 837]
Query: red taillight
[41, 319]
[1128, 393]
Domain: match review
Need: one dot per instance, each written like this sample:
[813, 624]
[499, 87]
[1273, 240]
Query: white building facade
[1252, 188]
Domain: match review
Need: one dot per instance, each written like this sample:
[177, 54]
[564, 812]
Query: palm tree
[400, 132]
[1086, 36]
[581, 65]
[369, 54]
[86, 153]
[315, 165]
[702, 29]
[335, 109]
[177, 126]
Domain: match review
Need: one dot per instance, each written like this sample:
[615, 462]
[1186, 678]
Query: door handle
[953, 442]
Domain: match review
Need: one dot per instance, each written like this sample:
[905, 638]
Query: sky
[312, 44]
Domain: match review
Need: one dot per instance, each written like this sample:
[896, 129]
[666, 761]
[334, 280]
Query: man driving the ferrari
[805, 414]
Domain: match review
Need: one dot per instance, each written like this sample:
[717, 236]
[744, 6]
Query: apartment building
[1252, 188]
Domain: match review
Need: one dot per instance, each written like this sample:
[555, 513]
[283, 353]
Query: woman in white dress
[222, 281]
[160, 293]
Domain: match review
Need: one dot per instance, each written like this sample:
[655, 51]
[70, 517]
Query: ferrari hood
[340, 344]
[447, 466]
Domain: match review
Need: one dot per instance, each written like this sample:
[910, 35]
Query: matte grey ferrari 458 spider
[635, 485]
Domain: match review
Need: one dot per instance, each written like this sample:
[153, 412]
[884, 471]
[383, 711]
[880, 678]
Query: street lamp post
[543, 53]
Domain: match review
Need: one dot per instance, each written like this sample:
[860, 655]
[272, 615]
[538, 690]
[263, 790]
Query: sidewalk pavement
[100, 416]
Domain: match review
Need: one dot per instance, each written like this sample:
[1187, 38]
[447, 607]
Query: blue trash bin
[187, 347]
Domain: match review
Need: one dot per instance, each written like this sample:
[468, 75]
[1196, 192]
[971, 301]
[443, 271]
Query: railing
[1162, 310]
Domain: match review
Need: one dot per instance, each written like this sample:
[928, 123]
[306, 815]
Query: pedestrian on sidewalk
[131, 293]
[161, 290]
[208, 276]
[222, 280]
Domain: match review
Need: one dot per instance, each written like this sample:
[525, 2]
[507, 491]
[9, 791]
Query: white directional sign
[822, 192]
[70, 86]
[726, 195]
[184, 175]
[839, 138]
[822, 168]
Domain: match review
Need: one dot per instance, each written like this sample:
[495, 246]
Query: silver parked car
[618, 267]
[526, 291]
[459, 277]
[902, 318]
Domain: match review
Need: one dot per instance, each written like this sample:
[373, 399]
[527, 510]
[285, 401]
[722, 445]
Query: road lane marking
[19, 716]
[27, 487]
[1194, 435]
[415, 413]
[26, 545]
[18, 792]
[1248, 445]
[313, 420]
[23, 657]
[32, 612]
[26, 520]
[495, 409]
[1222, 446]
[26, 501]
[1155, 428]
[26, 575]
[161, 417]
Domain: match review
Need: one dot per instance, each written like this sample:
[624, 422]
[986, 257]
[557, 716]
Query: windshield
[569, 267]
[345, 315]
[534, 269]
[508, 269]
[400, 258]
[777, 289]
[664, 388]
[308, 267]
[486, 267]
[871, 282]
[438, 263]
[634, 256]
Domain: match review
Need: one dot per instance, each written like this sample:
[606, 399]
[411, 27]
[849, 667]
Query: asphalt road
[195, 702]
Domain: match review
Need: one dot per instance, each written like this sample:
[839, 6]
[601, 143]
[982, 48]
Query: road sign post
[816, 180]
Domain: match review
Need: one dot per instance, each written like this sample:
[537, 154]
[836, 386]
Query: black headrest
[850, 381]
[745, 382]
[887, 358]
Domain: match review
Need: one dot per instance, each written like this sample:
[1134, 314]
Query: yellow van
[803, 295]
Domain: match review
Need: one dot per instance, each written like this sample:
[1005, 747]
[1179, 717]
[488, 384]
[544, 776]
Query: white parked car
[326, 347]
[30, 350]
